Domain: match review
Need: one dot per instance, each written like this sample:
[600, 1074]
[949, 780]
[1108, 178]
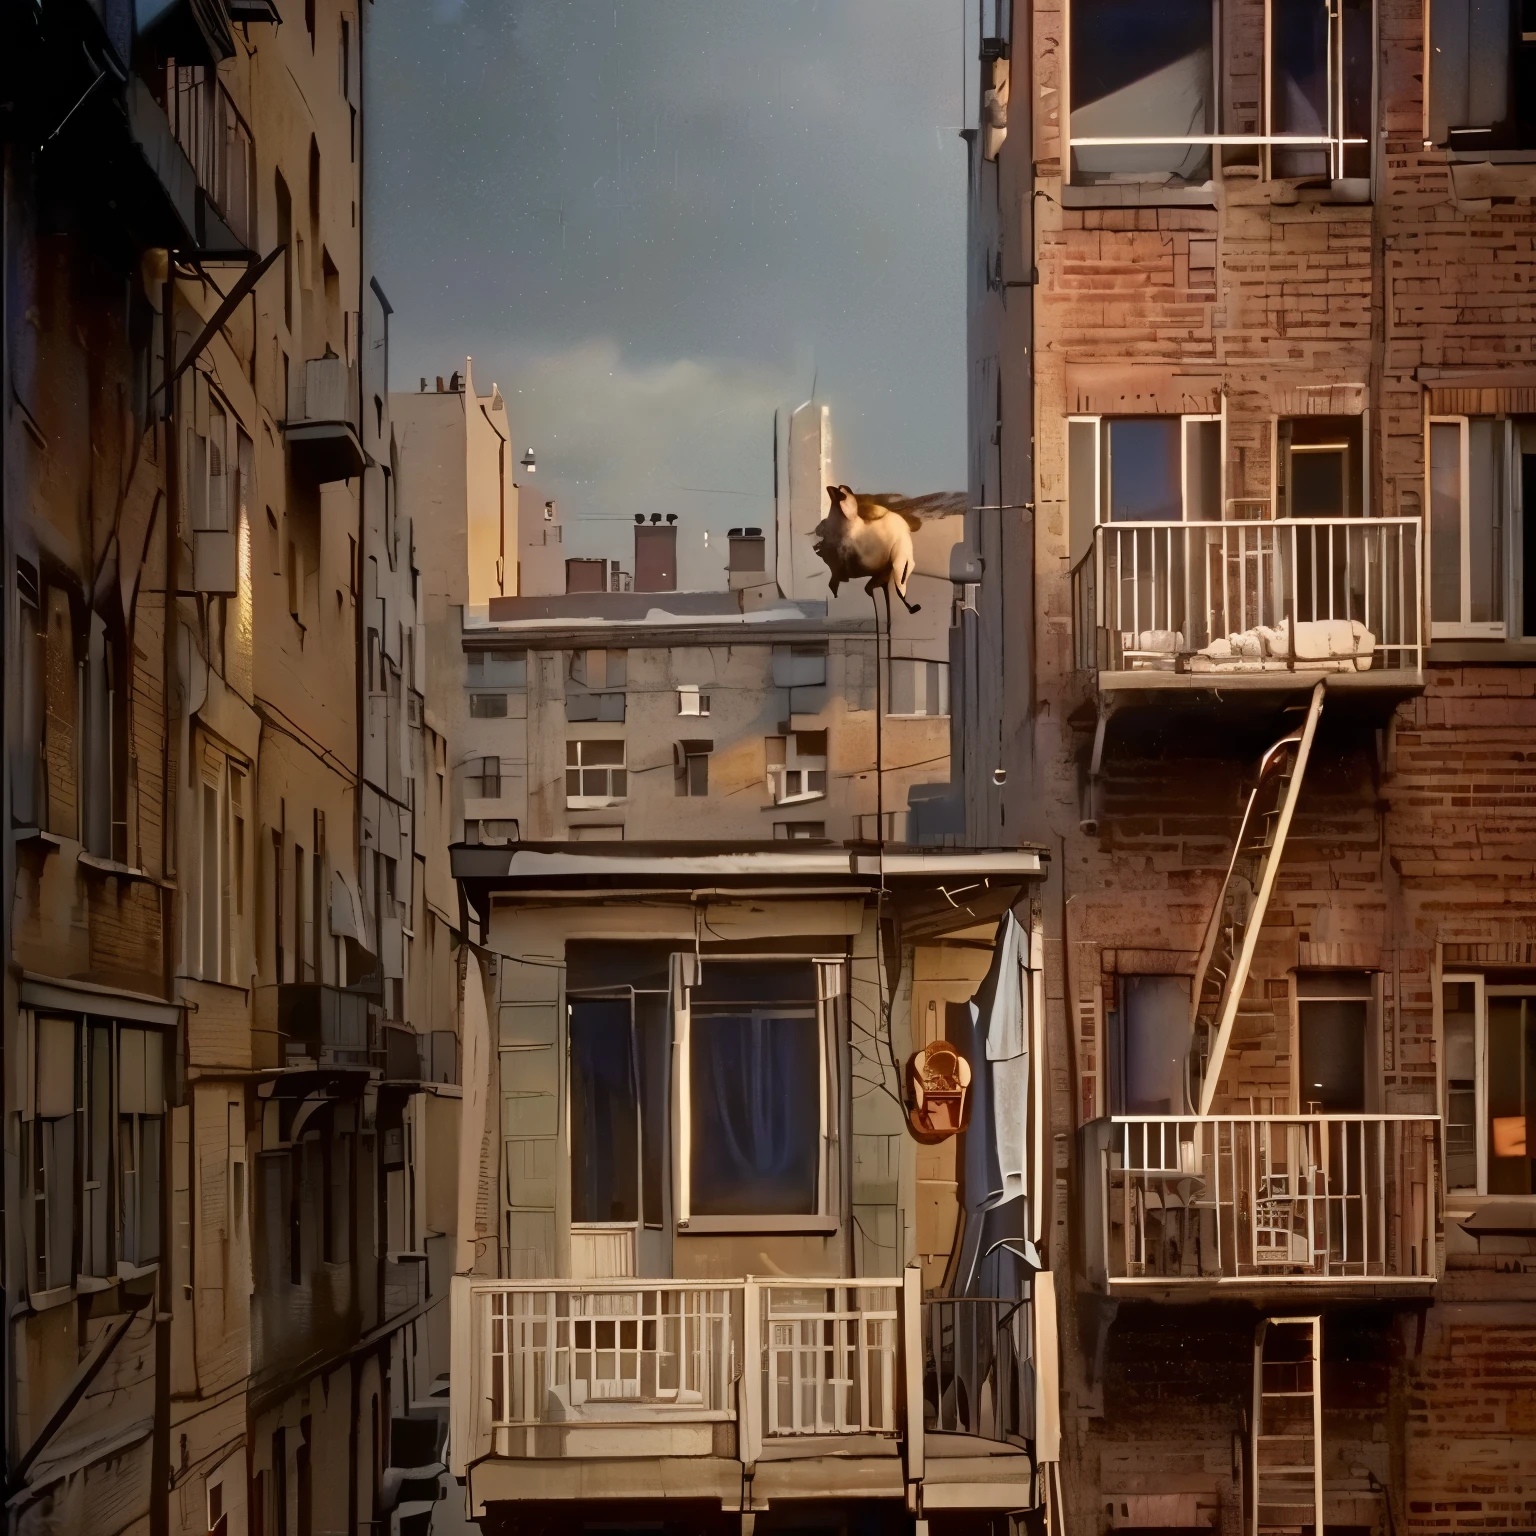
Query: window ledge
[406, 1256]
[1137, 195]
[705, 1225]
[797, 800]
[44, 1301]
[111, 866]
[593, 802]
[1506, 653]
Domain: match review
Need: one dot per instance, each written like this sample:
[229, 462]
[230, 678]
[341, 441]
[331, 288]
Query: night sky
[653, 222]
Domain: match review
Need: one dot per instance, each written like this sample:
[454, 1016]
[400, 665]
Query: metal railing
[217, 141]
[978, 1374]
[323, 389]
[829, 1357]
[1281, 1197]
[765, 1362]
[558, 1350]
[1152, 596]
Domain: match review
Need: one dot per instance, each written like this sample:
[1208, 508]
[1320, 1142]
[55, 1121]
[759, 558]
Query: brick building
[230, 1023]
[1255, 616]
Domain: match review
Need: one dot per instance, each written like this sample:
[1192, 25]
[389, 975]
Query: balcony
[1268, 1205]
[632, 1389]
[217, 141]
[321, 427]
[1268, 606]
[306, 1024]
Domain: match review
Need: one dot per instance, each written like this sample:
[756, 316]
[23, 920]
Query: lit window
[594, 773]
[1490, 1086]
[1469, 507]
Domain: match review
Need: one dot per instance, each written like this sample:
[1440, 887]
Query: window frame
[585, 802]
[1103, 478]
[1264, 141]
[777, 773]
[1462, 628]
[943, 682]
[1482, 991]
[832, 974]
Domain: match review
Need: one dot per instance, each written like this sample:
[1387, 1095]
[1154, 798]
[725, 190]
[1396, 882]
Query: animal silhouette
[861, 537]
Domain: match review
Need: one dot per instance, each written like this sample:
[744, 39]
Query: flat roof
[676, 863]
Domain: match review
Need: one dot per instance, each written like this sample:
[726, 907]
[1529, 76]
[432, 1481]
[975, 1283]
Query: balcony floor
[1273, 1290]
[1386, 680]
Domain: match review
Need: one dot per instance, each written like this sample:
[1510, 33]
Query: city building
[231, 1014]
[1250, 654]
[734, 1264]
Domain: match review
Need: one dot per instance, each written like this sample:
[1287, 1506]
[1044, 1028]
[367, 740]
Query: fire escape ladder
[1286, 1449]
[1232, 935]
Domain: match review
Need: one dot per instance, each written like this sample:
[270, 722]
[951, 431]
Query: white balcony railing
[1278, 1197]
[1305, 595]
[740, 1363]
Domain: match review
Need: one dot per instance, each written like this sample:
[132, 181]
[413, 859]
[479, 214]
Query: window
[218, 942]
[799, 666]
[1320, 88]
[605, 1111]
[487, 706]
[594, 773]
[1141, 70]
[918, 687]
[140, 1131]
[96, 1168]
[104, 790]
[53, 1154]
[285, 239]
[483, 782]
[1149, 1041]
[690, 701]
[692, 766]
[758, 1084]
[1490, 1086]
[599, 669]
[1467, 499]
[1319, 470]
[1143, 93]
[799, 831]
[1333, 1020]
[1142, 469]
[797, 766]
[1482, 75]
[28, 784]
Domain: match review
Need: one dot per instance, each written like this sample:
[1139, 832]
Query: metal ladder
[1286, 1447]
[1221, 972]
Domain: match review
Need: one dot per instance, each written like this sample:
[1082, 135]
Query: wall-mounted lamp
[527, 462]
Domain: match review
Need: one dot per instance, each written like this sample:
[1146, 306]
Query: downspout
[160, 1453]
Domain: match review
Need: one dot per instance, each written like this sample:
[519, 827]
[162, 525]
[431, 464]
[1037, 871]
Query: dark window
[1320, 472]
[605, 1111]
[755, 1087]
[1459, 1015]
[1333, 1015]
[1310, 42]
[1482, 74]
[653, 1031]
[1149, 1038]
[1141, 69]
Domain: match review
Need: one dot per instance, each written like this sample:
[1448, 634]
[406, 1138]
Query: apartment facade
[228, 1055]
[724, 1273]
[1252, 652]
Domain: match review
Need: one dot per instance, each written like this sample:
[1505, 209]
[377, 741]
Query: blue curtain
[756, 1113]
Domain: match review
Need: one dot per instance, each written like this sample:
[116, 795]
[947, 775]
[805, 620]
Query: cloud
[690, 437]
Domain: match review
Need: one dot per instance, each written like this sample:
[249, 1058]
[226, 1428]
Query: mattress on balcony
[1321, 645]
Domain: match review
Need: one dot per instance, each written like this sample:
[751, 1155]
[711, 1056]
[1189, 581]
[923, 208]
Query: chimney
[655, 554]
[439, 383]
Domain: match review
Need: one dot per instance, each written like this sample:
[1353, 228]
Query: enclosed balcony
[1345, 1204]
[1261, 605]
[827, 1388]
[306, 1025]
[321, 428]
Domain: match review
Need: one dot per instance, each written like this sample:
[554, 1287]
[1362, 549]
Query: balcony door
[618, 1051]
[1335, 1043]
[1149, 1037]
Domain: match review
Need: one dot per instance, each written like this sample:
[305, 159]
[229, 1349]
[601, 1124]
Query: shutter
[529, 1046]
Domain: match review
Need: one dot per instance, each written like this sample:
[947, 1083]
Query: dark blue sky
[653, 221]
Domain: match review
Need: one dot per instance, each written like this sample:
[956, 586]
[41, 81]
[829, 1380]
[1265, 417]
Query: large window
[759, 1092]
[1482, 75]
[1145, 105]
[1142, 469]
[1489, 1037]
[1143, 92]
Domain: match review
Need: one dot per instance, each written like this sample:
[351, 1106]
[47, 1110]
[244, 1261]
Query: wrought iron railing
[978, 1374]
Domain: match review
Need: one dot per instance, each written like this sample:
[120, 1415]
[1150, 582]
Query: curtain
[756, 1142]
